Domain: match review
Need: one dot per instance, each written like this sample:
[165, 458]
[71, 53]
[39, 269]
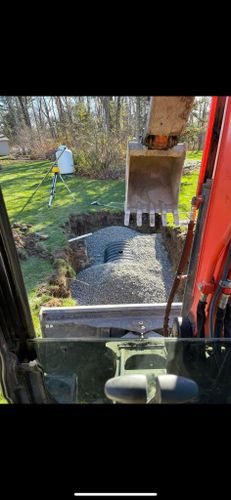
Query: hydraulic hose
[218, 291]
[227, 322]
[219, 323]
[181, 266]
[201, 318]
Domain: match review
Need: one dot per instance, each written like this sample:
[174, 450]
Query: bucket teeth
[127, 217]
[153, 180]
[164, 217]
[152, 218]
[139, 218]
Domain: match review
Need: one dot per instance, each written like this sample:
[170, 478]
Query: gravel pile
[146, 278]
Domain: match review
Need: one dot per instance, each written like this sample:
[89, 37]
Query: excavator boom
[154, 167]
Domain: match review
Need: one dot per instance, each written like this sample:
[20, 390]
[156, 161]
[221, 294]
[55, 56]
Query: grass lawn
[187, 191]
[194, 155]
[3, 401]
[18, 182]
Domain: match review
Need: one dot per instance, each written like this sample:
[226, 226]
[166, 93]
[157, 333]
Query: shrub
[102, 158]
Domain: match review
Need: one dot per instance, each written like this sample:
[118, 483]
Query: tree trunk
[201, 136]
[106, 105]
[106, 112]
[14, 116]
[53, 118]
[118, 111]
[88, 104]
[51, 125]
[61, 113]
[69, 114]
[24, 110]
[41, 121]
[138, 127]
[36, 121]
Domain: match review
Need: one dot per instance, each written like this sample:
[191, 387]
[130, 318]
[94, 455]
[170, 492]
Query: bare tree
[61, 112]
[106, 101]
[36, 120]
[138, 117]
[68, 110]
[23, 101]
[50, 123]
[118, 112]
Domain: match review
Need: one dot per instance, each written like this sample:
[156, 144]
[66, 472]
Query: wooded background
[96, 128]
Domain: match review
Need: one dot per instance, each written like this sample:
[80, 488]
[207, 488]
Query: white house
[4, 145]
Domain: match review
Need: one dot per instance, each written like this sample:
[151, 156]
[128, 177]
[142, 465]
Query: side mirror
[131, 389]
[174, 389]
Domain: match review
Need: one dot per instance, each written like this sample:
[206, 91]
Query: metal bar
[52, 194]
[76, 322]
[115, 494]
[80, 237]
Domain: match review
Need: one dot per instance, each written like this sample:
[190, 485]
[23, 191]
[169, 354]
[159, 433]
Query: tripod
[56, 171]
[57, 174]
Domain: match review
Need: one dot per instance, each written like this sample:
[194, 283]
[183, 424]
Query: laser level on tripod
[55, 170]
[64, 164]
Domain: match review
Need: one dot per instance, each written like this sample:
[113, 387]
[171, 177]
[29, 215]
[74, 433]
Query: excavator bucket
[153, 182]
[154, 167]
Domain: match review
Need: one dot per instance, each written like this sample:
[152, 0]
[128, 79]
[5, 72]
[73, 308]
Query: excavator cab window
[76, 370]
[107, 354]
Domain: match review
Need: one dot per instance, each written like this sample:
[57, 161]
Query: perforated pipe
[118, 250]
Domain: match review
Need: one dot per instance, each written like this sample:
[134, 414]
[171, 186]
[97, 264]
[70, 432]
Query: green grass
[3, 401]
[18, 182]
[35, 272]
[187, 191]
[194, 155]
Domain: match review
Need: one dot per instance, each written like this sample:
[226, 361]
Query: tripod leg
[52, 194]
[66, 186]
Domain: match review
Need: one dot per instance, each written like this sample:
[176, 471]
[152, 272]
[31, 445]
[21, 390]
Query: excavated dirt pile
[27, 243]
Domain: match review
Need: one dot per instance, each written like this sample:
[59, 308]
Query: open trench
[118, 264]
[115, 264]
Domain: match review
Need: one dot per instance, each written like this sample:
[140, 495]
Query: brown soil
[28, 244]
[59, 286]
[53, 302]
[79, 224]
[174, 241]
[43, 289]
[66, 262]
[75, 255]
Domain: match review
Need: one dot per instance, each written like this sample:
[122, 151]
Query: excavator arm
[154, 166]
